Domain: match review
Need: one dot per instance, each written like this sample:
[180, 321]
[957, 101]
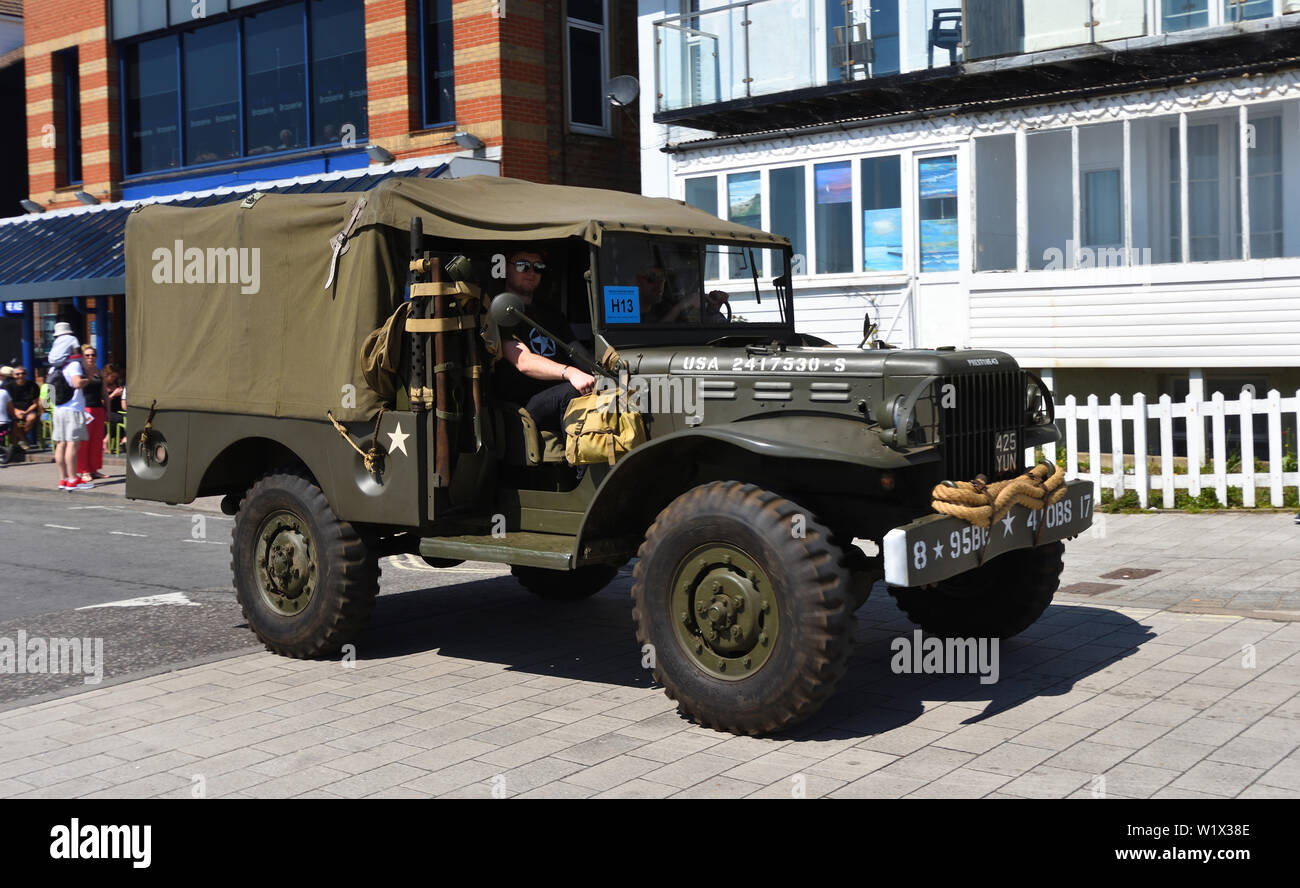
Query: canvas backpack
[59, 384]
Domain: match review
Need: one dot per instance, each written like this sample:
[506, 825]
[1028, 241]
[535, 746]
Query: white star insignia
[938, 550]
[1006, 524]
[397, 440]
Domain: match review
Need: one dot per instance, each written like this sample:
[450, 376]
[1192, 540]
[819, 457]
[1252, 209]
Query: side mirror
[507, 309]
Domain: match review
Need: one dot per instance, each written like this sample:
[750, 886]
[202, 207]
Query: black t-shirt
[94, 390]
[511, 385]
[23, 395]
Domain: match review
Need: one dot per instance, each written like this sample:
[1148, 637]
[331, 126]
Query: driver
[657, 308]
[536, 373]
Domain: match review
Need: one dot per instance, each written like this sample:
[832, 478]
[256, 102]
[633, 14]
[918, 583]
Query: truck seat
[520, 442]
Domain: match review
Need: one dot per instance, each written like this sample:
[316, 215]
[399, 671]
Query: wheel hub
[727, 618]
[286, 568]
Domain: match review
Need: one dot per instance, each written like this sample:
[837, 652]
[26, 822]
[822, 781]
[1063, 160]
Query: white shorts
[69, 424]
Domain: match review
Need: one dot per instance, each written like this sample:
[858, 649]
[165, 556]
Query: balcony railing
[761, 47]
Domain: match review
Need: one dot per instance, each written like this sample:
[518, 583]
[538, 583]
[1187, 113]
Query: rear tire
[998, 600]
[565, 585]
[748, 610]
[306, 580]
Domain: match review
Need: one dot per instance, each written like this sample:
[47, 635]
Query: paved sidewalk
[41, 474]
[478, 688]
[521, 697]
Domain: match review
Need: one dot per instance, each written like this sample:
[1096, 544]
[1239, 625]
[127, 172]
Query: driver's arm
[537, 367]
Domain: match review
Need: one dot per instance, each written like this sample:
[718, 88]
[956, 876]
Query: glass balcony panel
[1183, 15]
[1244, 10]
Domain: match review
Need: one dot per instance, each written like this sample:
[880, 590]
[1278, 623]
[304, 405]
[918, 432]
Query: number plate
[1006, 451]
[938, 547]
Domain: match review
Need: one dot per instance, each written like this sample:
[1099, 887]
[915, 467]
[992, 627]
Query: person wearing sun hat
[69, 416]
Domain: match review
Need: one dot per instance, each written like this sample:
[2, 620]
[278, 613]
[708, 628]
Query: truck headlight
[1035, 408]
[897, 414]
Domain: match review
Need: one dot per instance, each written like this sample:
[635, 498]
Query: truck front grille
[983, 406]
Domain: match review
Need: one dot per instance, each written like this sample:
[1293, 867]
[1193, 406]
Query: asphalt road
[153, 582]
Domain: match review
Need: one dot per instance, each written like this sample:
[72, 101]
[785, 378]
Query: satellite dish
[622, 90]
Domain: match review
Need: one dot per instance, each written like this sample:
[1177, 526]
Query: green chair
[115, 432]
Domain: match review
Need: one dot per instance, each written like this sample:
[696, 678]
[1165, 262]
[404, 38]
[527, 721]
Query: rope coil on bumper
[983, 504]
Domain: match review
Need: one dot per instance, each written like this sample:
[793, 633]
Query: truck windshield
[648, 281]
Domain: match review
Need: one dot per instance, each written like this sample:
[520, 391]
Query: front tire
[997, 600]
[747, 605]
[306, 580]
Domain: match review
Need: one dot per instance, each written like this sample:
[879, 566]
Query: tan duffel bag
[597, 431]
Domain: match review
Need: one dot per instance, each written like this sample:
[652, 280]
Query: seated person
[5, 418]
[26, 405]
[535, 371]
[658, 308]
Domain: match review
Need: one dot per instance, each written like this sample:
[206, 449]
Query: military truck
[324, 363]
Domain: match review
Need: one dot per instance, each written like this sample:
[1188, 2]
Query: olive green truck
[325, 363]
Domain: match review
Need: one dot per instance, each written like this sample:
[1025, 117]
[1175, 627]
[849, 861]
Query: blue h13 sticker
[622, 305]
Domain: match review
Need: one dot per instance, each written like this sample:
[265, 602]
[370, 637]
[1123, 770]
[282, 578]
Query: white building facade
[1041, 210]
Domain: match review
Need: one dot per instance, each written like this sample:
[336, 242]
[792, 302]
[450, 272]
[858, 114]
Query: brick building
[196, 100]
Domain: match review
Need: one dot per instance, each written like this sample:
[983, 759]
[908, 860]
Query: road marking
[123, 533]
[62, 527]
[209, 542]
[158, 515]
[105, 508]
[177, 598]
[410, 561]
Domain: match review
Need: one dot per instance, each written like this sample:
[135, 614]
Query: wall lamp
[468, 141]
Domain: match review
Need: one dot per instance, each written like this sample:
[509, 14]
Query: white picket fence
[1129, 437]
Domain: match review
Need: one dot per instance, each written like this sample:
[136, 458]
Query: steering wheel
[723, 307]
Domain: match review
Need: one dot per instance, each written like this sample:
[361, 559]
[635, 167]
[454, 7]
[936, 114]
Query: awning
[64, 254]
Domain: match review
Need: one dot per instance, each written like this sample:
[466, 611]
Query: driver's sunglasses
[523, 265]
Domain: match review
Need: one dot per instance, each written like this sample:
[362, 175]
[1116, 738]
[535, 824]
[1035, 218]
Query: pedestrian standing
[69, 411]
[90, 457]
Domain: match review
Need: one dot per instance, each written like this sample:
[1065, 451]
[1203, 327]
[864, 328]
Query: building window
[1182, 15]
[152, 106]
[1243, 10]
[212, 128]
[1051, 199]
[138, 17]
[1213, 197]
[833, 216]
[338, 72]
[937, 190]
[588, 57]
[1103, 223]
[995, 203]
[1265, 171]
[439, 63]
[275, 81]
[244, 87]
[744, 207]
[882, 214]
[787, 189]
[702, 193]
[66, 67]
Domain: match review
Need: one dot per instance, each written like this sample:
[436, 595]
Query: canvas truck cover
[227, 305]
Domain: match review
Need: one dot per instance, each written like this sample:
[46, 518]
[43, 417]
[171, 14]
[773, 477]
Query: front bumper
[937, 547]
